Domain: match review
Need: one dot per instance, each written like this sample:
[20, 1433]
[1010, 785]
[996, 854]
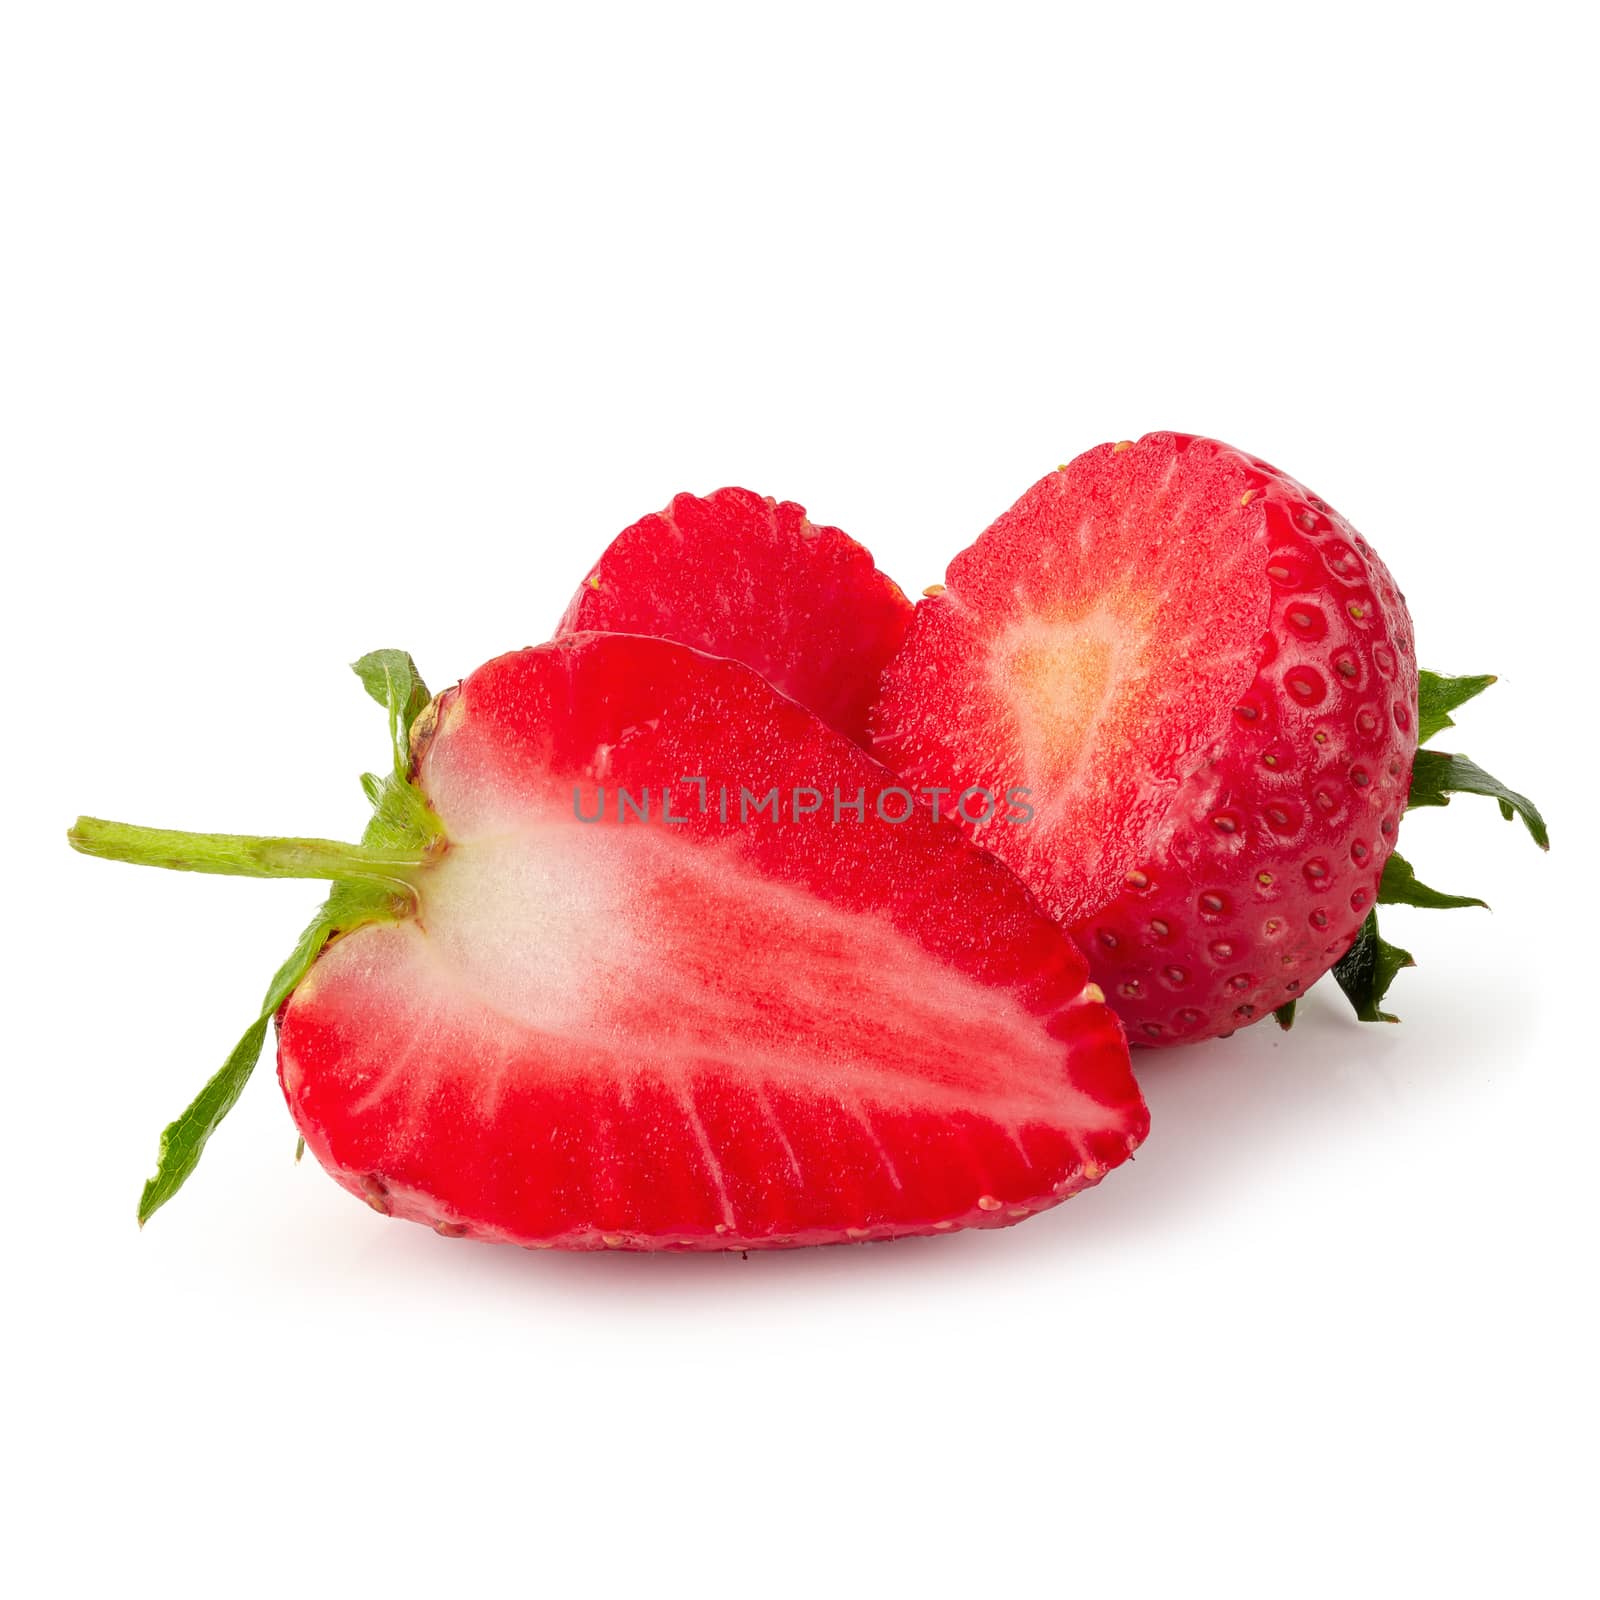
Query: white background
[330, 327]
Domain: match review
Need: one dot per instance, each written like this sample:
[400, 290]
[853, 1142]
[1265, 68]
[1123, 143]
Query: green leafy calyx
[1367, 969]
[392, 679]
[1400, 886]
[373, 881]
[1438, 696]
[1436, 776]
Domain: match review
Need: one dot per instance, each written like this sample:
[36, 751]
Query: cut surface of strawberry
[739, 574]
[1205, 679]
[723, 1015]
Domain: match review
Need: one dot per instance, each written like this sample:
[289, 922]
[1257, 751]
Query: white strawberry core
[574, 948]
[1072, 680]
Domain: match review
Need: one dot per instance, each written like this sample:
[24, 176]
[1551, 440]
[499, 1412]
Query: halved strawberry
[738, 1009]
[1202, 681]
[1205, 678]
[738, 574]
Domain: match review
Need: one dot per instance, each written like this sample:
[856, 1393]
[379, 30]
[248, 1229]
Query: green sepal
[1367, 968]
[401, 817]
[401, 820]
[1438, 696]
[1435, 776]
[392, 679]
[183, 1141]
[400, 835]
[1400, 886]
[351, 905]
[1284, 1015]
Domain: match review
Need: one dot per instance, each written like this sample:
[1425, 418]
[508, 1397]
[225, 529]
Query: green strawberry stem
[374, 881]
[239, 855]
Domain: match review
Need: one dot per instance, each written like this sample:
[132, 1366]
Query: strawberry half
[736, 1009]
[1204, 680]
[737, 574]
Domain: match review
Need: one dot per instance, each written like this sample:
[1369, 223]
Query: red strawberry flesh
[737, 574]
[703, 1033]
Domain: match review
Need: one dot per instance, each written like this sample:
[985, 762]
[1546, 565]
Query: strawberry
[628, 959]
[1201, 679]
[739, 575]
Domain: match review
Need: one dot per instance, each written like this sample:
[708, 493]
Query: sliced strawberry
[698, 1033]
[751, 1017]
[737, 574]
[1205, 678]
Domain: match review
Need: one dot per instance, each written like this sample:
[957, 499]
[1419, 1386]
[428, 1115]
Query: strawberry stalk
[238, 855]
[374, 881]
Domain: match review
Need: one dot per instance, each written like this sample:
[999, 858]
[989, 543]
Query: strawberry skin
[1207, 680]
[738, 574]
[698, 1033]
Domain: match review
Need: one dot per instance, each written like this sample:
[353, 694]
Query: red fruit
[691, 1031]
[1206, 679]
[737, 574]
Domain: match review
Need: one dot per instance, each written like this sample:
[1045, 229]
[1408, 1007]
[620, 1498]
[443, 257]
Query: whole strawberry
[1198, 686]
